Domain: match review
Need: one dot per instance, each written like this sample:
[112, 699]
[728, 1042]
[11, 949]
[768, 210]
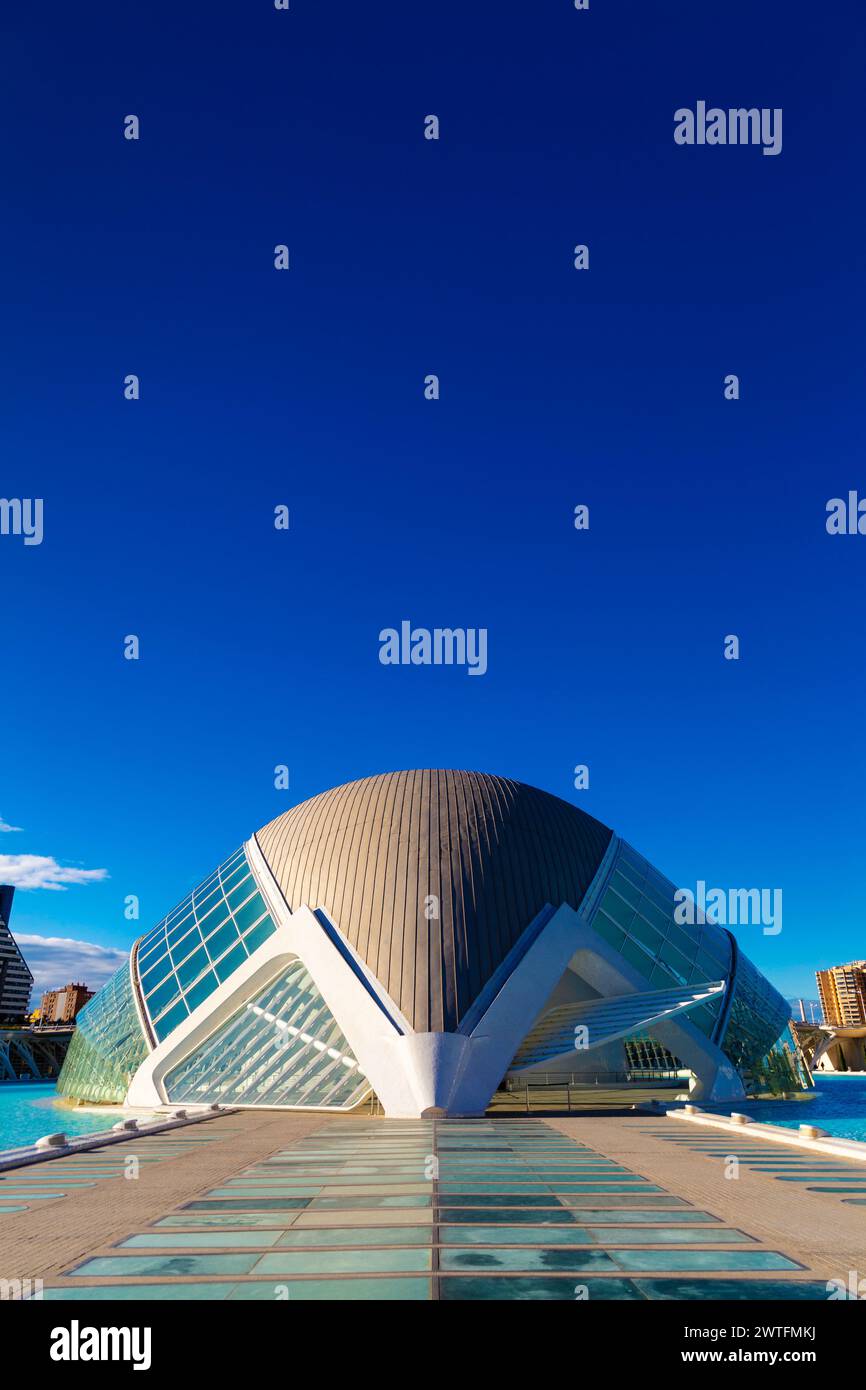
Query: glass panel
[159, 998]
[205, 986]
[240, 893]
[625, 888]
[609, 930]
[259, 934]
[221, 940]
[757, 1017]
[156, 974]
[193, 966]
[107, 1047]
[169, 1021]
[295, 1057]
[167, 974]
[249, 913]
[190, 942]
[230, 962]
[617, 909]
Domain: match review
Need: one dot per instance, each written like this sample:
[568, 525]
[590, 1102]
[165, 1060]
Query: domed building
[421, 936]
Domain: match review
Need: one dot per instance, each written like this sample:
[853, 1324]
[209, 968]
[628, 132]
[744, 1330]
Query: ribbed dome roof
[492, 851]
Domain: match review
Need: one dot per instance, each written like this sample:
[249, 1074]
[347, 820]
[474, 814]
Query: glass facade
[647, 1054]
[283, 1048]
[757, 1015]
[604, 1019]
[636, 917]
[107, 1047]
[201, 943]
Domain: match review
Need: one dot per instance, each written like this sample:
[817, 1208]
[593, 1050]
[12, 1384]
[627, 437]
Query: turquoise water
[838, 1105]
[29, 1109]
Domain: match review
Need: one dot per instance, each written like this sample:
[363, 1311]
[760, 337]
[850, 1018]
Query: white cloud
[6, 829]
[43, 871]
[60, 960]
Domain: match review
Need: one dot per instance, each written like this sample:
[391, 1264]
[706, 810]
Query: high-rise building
[422, 936]
[842, 990]
[63, 1005]
[16, 981]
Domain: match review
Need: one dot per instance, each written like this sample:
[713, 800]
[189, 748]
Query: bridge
[832, 1047]
[33, 1054]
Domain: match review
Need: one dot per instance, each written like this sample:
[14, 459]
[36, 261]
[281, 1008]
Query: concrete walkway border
[51, 1146]
[808, 1137]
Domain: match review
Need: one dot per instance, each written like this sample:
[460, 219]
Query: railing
[583, 1080]
[602, 1090]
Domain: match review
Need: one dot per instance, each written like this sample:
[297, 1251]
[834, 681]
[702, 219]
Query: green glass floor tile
[505, 1259]
[287, 1262]
[486, 1188]
[498, 1199]
[803, 1168]
[248, 1204]
[835, 1190]
[741, 1290]
[161, 1266]
[399, 1290]
[139, 1293]
[352, 1203]
[669, 1235]
[52, 1180]
[620, 1185]
[280, 1180]
[224, 1220]
[202, 1240]
[821, 1177]
[630, 1217]
[480, 1188]
[357, 1235]
[529, 1288]
[739, 1261]
[518, 1175]
[510, 1216]
[516, 1235]
[283, 1167]
[33, 1196]
[618, 1200]
[385, 1170]
[244, 1190]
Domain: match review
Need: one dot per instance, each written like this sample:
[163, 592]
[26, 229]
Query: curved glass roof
[201, 943]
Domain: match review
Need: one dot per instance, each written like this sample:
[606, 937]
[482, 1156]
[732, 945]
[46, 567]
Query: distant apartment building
[64, 1005]
[842, 991]
[16, 981]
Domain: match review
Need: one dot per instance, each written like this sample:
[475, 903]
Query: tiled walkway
[817, 1172]
[58, 1177]
[479, 1209]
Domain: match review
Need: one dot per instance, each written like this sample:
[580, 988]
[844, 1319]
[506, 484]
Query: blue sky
[558, 387]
